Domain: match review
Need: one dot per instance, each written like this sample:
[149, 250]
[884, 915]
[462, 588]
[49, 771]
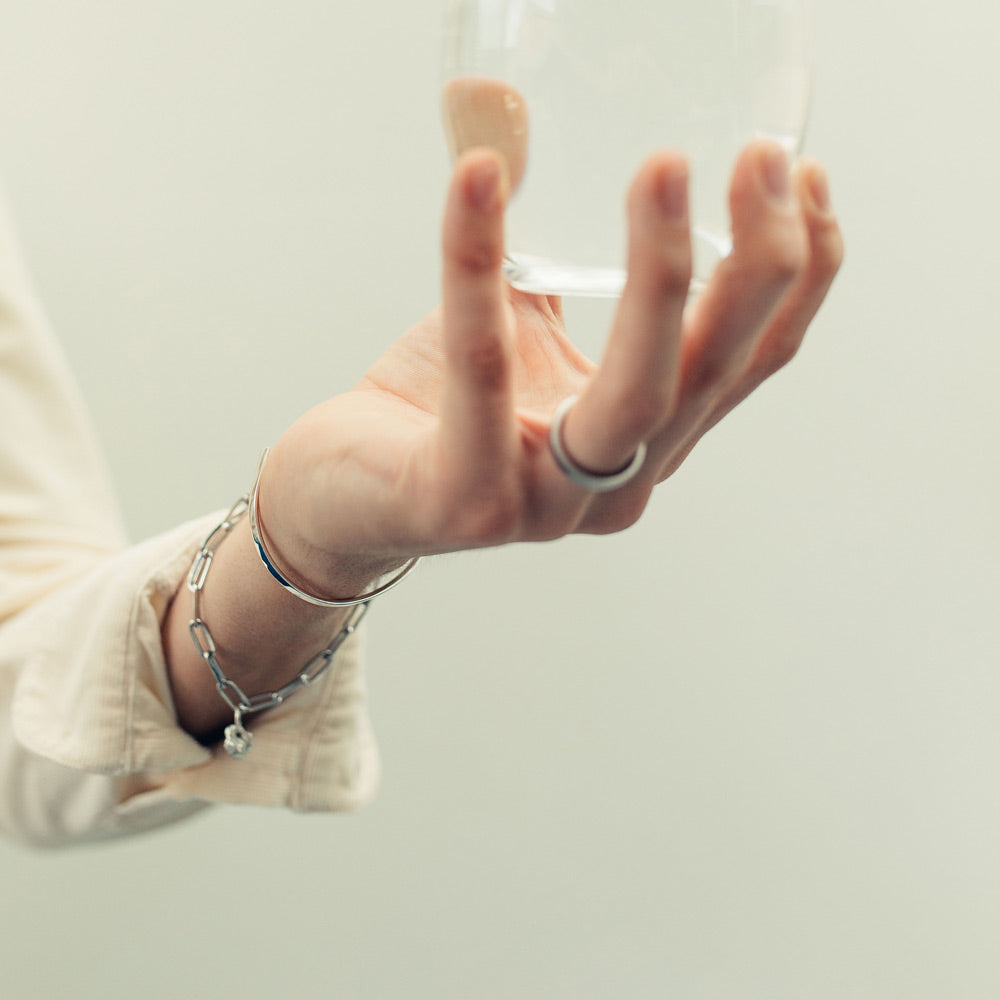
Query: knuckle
[662, 264]
[777, 257]
[676, 272]
[640, 414]
[785, 261]
[709, 377]
[486, 363]
[476, 256]
[712, 371]
[551, 525]
[485, 517]
[622, 511]
[780, 354]
[829, 251]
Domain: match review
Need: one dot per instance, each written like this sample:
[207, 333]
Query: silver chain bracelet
[238, 739]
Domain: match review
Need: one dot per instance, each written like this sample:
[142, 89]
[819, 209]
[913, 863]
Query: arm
[442, 446]
[90, 745]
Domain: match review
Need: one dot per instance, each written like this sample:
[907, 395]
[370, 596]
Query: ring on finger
[596, 482]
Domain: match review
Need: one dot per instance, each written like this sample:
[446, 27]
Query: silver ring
[596, 482]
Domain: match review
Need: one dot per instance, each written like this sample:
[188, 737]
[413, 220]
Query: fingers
[788, 325]
[633, 391]
[783, 333]
[725, 325]
[769, 252]
[477, 425]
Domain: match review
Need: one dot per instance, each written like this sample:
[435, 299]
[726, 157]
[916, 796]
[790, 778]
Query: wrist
[260, 633]
[288, 512]
[259, 644]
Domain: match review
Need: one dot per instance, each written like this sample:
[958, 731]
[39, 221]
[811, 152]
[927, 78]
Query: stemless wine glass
[576, 93]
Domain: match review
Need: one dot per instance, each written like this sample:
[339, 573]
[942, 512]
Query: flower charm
[237, 741]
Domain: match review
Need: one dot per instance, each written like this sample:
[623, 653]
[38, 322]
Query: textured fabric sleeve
[58, 514]
[85, 674]
[89, 744]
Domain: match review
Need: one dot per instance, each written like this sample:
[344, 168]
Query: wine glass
[574, 94]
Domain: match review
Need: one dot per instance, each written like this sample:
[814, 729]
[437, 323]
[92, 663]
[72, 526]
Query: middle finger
[633, 391]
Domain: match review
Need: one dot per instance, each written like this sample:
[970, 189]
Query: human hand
[443, 445]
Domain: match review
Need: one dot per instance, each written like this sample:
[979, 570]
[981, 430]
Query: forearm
[263, 635]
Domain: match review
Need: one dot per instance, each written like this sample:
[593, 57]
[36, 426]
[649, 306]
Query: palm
[547, 365]
[443, 444]
[412, 482]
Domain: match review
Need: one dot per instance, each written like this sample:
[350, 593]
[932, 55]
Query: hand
[443, 444]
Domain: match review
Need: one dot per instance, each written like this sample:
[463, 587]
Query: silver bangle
[596, 482]
[257, 535]
[238, 739]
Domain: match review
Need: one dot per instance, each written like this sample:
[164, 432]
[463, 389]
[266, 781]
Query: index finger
[477, 406]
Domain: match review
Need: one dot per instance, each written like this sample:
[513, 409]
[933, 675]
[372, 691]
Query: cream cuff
[92, 696]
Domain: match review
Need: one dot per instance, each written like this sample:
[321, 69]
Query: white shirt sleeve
[89, 743]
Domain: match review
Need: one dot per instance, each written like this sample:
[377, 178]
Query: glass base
[540, 276]
[544, 276]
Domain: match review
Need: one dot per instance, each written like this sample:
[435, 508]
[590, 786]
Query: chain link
[237, 738]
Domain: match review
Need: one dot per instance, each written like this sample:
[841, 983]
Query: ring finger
[633, 391]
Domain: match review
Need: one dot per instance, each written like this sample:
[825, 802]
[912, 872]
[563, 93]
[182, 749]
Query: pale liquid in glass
[577, 94]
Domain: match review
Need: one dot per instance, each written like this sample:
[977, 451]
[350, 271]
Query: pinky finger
[787, 328]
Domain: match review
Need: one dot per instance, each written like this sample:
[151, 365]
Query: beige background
[748, 750]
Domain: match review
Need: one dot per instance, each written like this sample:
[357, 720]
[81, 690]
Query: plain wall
[748, 750]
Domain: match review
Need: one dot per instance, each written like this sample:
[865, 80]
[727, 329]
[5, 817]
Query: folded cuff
[92, 695]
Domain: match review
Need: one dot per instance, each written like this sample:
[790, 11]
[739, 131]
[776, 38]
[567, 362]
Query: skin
[442, 446]
[482, 112]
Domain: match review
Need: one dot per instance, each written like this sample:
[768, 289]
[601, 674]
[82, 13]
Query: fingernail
[819, 189]
[774, 166]
[484, 185]
[674, 192]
